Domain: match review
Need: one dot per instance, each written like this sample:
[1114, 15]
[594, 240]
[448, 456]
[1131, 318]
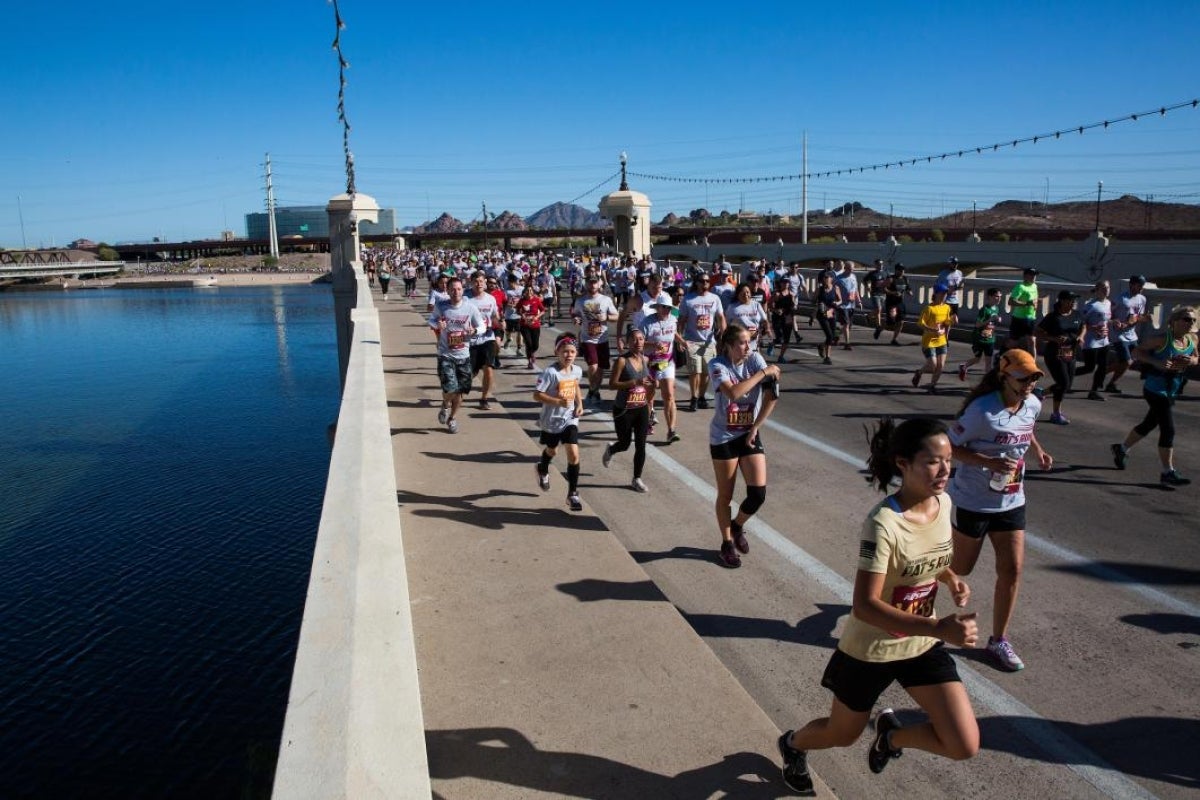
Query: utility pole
[804, 191]
[485, 236]
[272, 232]
[1099, 191]
[21, 217]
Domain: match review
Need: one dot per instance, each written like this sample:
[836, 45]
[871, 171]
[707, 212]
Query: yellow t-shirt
[911, 557]
[932, 316]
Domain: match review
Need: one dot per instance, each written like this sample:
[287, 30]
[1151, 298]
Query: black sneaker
[702, 403]
[795, 767]
[1120, 455]
[878, 332]
[739, 538]
[729, 556]
[881, 752]
[1112, 388]
[574, 502]
[692, 405]
[1094, 395]
[1172, 478]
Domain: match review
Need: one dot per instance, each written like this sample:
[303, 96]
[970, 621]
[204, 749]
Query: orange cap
[1018, 360]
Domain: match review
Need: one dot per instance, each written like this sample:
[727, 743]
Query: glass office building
[312, 222]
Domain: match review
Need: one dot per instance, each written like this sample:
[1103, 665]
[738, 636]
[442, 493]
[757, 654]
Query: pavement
[550, 663]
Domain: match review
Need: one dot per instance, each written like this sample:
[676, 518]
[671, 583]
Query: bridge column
[345, 212]
[630, 215]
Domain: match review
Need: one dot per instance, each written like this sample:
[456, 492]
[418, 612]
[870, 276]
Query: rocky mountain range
[554, 216]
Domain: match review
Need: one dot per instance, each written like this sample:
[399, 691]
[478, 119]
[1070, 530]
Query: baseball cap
[1067, 294]
[1018, 360]
[952, 260]
[940, 288]
[898, 266]
[1137, 279]
[1031, 271]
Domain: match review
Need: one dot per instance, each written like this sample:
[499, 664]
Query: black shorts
[454, 375]
[977, 524]
[736, 448]
[858, 684]
[511, 325]
[983, 349]
[896, 310]
[953, 309]
[568, 435]
[481, 356]
[1019, 328]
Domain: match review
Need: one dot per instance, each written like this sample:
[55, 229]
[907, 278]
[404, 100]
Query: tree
[106, 253]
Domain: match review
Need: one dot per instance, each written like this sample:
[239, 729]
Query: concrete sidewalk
[550, 665]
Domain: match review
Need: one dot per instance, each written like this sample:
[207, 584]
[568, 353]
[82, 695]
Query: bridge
[59, 269]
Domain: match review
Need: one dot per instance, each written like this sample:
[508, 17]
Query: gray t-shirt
[699, 314]
[594, 314]
[732, 419]
[990, 429]
[1096, 316]
[487, 307]
[563, 384]
[463, 323]
[1126, 307]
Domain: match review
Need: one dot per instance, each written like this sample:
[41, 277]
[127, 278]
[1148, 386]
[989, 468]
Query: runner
[592, 312]
[557, 390]
[1062, 332]
[483, 345]
[992, 437]
[1166, 358]
[893, 633]
[662, 336]
[876, 281]
[739, 377]
[848, 282]
[454, 322]
[437, 293]
[512, 317]
[385, 279]
[703, 318]
[826, 302]
[1097, 316]
[634, 385]
[1022, 300]
[530, 309]
[1128, 312]
[746, 312]
[983, 335]
[634, 311]
[953, 278]
[935, 327]
[782, 305]
[893, 302]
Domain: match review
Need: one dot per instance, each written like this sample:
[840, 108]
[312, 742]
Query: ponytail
[890, 441]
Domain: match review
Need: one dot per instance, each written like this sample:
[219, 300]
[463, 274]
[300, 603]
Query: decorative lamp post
[1099, 191]
[624, 183]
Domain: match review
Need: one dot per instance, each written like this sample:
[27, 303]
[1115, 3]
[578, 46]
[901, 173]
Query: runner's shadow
[491, 457]
[462, 509]
[420, 431]
[1165, 623]
[422, 403]
[1124, 572]
[589, 590]
[505, 755]
[816, 630]
[1147, 747]
[682, 552]
[866, 415]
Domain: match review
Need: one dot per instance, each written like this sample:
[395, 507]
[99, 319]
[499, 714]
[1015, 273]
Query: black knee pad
[755, 497]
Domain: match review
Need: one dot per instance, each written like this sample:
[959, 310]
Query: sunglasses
[1188, 320]
[1026, 380]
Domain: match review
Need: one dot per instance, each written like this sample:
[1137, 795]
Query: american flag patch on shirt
[866, 550]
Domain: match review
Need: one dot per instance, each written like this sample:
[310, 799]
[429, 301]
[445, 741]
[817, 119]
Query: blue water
[163, 456]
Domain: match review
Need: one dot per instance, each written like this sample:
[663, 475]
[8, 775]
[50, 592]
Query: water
[162, 464]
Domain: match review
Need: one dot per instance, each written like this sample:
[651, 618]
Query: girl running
[1062, 331]
[530, 309]
[893, 633]
[634, 385]
[749, 314]
[557, 390]
[826, 302]
[783, 315]
[739, 376]
[935, 337]
[992, 438]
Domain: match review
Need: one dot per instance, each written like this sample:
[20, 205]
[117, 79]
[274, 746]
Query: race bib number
[568, 390]
[636, 397]
[662, 351]
[914, 600]
[703, 322]
[739, 417]
[456, 339]
[595, 329]
[1066, 353]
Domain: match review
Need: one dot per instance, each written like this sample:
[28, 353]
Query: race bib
[739, 417]
[914, 600]
[752, 331]
[1066, 353]
[703, 322]
[636, 397]
[662, 351]
[595, 330]
[567, 390]
[456, 339]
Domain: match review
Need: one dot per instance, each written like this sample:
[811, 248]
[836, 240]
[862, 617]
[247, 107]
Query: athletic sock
[572, 478]
[544, 467]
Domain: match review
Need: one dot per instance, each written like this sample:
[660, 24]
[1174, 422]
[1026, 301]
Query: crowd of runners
[723, 326]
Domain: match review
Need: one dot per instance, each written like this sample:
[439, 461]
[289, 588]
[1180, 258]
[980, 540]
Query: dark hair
[992, 381]
[890, 441]
[566, 338]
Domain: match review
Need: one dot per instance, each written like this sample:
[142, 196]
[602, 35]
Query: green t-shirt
[1026, 292]
[985, 324]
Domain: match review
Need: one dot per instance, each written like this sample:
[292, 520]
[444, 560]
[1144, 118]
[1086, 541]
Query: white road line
[1052, 741]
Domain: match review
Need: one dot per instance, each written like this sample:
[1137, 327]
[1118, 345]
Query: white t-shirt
[487, 307]
[594, 313]
[953, 278]
[988, 428]
[1096, 316]
[1126, 307]
[562, 384]
[699, 314]
[733, 418]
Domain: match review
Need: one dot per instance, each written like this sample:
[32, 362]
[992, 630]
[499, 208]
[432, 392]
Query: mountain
[508, 221]
[443, 224]
[565, 215]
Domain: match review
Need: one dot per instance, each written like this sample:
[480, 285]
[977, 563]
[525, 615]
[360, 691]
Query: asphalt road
[1108, 620]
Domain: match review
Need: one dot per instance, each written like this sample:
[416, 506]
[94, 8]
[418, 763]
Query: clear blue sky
[130, 120]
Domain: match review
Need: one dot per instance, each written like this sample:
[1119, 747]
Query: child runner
[738, 376]
[634, 385]
[983, 336]
[935, 328]
[558, 391]
[893, 633]
[530, 309]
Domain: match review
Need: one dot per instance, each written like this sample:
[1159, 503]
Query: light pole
[974, 212]
[624, 183]
[1099, 191]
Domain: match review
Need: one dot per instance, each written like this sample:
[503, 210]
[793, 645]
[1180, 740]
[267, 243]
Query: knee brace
[755, 497]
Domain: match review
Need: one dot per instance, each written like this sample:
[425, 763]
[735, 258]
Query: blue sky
[131, 120]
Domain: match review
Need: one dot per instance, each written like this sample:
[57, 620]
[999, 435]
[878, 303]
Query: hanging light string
[343, 65]
[607, 180]
[979, 150]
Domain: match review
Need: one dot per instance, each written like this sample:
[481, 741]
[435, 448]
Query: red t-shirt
[531, 310]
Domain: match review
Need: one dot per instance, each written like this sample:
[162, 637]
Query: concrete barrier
[354, 726]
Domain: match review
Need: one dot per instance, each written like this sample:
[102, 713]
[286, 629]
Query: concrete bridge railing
[354, 726]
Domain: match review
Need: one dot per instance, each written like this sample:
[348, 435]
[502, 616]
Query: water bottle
[1001, 480]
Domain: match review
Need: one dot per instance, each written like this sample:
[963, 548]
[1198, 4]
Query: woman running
[783, 315]
[826, 302]
[992, 438]
[739, 376]
[1063, 333]
[530, 309]
[1166, 358]
[893, 633]
[1097, 317]
[557, 390]
[749, 314]
[634, 385]
[935, 337]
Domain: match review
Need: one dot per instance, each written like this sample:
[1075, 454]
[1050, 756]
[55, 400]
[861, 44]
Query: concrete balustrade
[354, 726]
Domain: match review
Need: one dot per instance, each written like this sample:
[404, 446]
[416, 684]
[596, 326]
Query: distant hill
[508, 221]
[566, 215]
[443, 224]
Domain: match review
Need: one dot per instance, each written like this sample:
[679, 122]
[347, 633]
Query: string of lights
[343, 65]
[977, 150]
[607, 180]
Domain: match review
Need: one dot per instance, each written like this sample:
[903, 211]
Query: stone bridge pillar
[346, 211]
[630, 215]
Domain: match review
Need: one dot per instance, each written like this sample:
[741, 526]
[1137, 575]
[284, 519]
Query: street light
[624, 183]
[1099, 190]
[974, 212]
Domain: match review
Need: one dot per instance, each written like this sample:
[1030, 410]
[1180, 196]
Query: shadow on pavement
[590, 590]
[815, 630]
[1165, 623]
[1124, 572]
[1159, 748]
[687, 553]
[507, 756]
[490, 457]
[463, 510]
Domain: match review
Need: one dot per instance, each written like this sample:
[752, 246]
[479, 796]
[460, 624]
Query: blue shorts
[933, 352]
[1123, 350]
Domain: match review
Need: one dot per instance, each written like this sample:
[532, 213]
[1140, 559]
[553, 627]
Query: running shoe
[895, 343]
[639, 486]
[1002, 650]
[739, 538]
[1039, 392]
[1172, 478]
[932, 389]
[606, 459]
[443, 415]
[673, 435]
[1112, 388]
[795, 767]
[653, 418]
[878, 332]
[650, 429]
[827, 360]
[881, 751]
[916, 379]
[484, 405]
[1120, 455]
[692, 404]
[574, 502]
[543, 480]
[962, 372]
[702, 403]
[770, 348]
[1094, 395]
[1058, 418]
[452, 425]
[729, 556]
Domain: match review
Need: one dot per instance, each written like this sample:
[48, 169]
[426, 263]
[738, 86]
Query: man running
[1023, 300]
[703, 318]
[454, 322]
[662, 335]
[483, 345]
[592, 312]
[1128, 312]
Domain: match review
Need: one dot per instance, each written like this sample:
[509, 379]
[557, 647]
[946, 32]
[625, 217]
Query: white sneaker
[443, 415]
[639, 486]
[1002, 650]
[544, 481]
